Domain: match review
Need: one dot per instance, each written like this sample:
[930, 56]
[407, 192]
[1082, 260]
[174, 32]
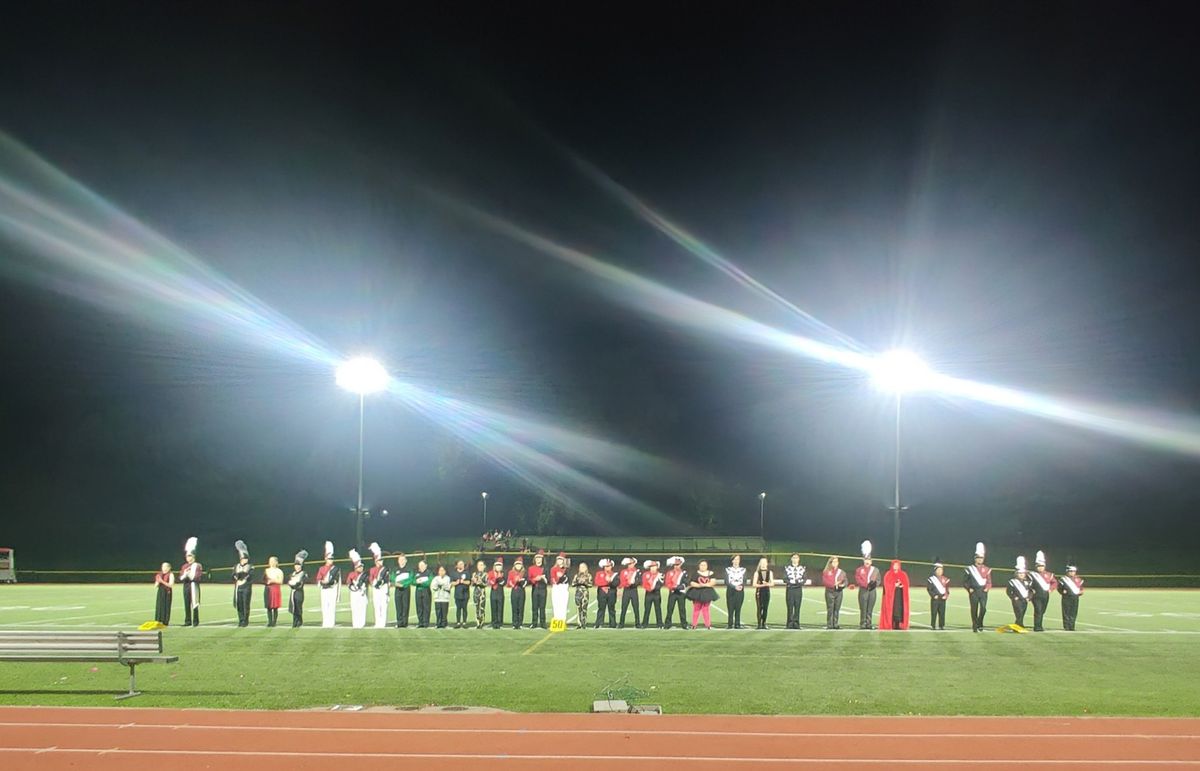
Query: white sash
[936, 583]
[1019, 585]
[1041, 582]
[977, 577]
[1072, 586]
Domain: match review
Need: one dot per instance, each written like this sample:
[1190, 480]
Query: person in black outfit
[764, 579]
[1019, 589]
[652, 583]
[462, 593]
[496, 581]
[677, 587]
[539, 583]
[402, 579]
[424, 596]
[735, 594]
[795, 578]
[296, 582]
[517, 580]
[243, 577]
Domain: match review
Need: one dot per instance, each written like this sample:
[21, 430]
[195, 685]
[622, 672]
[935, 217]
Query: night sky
[1014, 196]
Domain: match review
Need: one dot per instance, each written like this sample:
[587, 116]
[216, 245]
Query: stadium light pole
[899, 372]
[762, 507]
[483, 495]
[362, 376]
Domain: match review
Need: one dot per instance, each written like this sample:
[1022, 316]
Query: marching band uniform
[272, 590]
[629, 590]
[763, 581]
[441, 596]
[296, 583]
[329, 579]
[677, 586]
[606, 594]
[516, 584]
[1019, 588]
[164, 582]
[190, 576]
[795, 577]
[537, 579]
[938, 587]
[735, 595]
[978, 582]
[422, 581]
[581, 582]
[378, 578]
[652, 583]
[703, 595]
[834, 580]
[866, 578]
[356, 582]
[243, 577]
[403, 580]
[496, 580]
[461, 581]
[1070, 587]
[1043, 583]
[479, 582]
[894, 612]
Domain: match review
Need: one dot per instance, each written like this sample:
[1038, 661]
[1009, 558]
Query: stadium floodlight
[762, 505]
[483, 496]
[361, 375]
[900, 372]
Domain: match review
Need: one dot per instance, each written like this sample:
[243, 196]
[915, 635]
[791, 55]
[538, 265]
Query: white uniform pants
[379, 602]
[329, 598]
[358, 609]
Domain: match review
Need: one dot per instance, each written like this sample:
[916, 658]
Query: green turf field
[1137, 653]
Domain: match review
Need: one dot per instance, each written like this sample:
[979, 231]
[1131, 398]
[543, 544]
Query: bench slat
[127, 659]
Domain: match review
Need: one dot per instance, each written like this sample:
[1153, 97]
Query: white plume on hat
[301, 556]
[376, 552]
[866, 550]
[1021, 564]
[189, 547]
[329, 550]
[979, 550]
[604, 562]
[628, 561]
[354, 557]
[241, 548]
[675, 561]
[1041, 558]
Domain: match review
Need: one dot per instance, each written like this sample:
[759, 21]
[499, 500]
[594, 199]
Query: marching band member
[403, 581]
[764, 579]
[939, 591]
[652, 583]
[497, 580]
[702, 594]
[629, 590]
[296, 583]
[422, 581]
[1018, 589]
[479, 582]
[242, 578]
[735, 583]
[441, 595]
[795, 578]
[164, 582]
[461, 581]
[356, 582]
[190, 576]
[1070, 587]
[516, 585]
[834, 579]
[537, 580]
[677, 587]
[1043, 584]
[606, 594]
[560, 588]
[272, 590]
[581, 582]
[978, 582]
[894, 611]
[329, 579]
[378, 578]
[866, 578]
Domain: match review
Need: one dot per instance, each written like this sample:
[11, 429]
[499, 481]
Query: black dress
[702, 593]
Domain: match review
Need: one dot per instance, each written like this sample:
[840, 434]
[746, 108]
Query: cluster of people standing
[480, 594]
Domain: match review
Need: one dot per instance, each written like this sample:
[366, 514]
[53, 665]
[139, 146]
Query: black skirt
[702, 594]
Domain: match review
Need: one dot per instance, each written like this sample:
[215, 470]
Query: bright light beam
[900, 372]
[362, 375]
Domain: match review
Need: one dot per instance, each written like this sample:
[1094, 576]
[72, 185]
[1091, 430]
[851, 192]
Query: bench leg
[132, 684]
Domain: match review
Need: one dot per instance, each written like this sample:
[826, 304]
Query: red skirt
[273, 595]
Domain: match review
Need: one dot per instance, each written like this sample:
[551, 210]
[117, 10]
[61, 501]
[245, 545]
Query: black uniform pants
[518, 606]
[629, 596]
[833, 607]
[603, 607]
[1039, 610]
[677, 600]
[762, 601]
[733, 605]
[653, 600]
[1070, 609]
[1019, 606]
[978, 607]
[497, 602]
[866, 607]
[460, 608]
[538, 616]
[424, 600]
[795, 595]
[191, 616]
[241, 602]
[296, 606]
[937, 613]
[403, 597]
[443, 610]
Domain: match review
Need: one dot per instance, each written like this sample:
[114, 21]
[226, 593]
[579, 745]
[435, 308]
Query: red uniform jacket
[373, 573]
[535, 573]
[864, 575]
[986, 572]
[891, 579]
[944, 581]
[516, 579]
[604, 578]
[1051, 581]
[652, 580]
[556, 575]
[353, 575]
[629, 577]
[672, 578]
[833, 578]
[495, 580]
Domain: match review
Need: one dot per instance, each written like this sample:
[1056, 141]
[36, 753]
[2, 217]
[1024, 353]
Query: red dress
[891, 581]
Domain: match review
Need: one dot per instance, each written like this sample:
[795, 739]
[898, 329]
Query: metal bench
[125, 648]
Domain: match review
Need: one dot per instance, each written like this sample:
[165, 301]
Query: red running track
[106, 739]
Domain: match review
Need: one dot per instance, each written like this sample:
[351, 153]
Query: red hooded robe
[888, 583]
